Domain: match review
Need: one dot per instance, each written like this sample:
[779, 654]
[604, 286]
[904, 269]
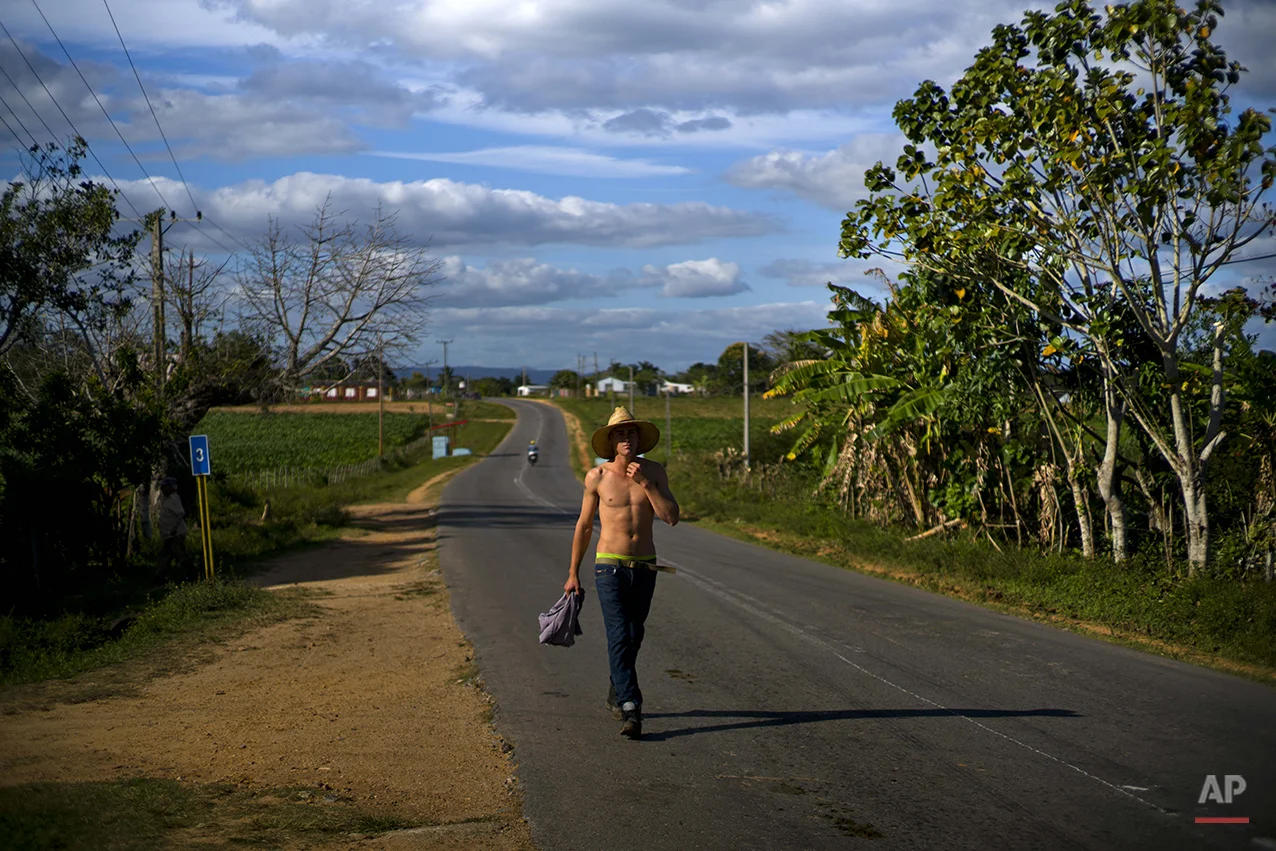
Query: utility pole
[188, 326]
[746, 406]
[631, 391]
[595, 374]
[380, 400]
[157, 293]
[668, 425]
[429, 397]
[580, 367]
[155, 221]
[447, 377]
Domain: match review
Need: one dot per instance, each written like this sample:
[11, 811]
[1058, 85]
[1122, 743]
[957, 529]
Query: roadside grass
[146, 813]
[33, 650]
[483, 410]
[131, 618]
[269, 440]
[306, 515]
[1220, 623]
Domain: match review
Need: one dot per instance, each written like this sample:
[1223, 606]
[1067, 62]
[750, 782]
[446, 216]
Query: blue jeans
[625, 596]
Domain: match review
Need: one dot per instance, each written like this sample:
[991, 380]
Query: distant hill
[535, 376]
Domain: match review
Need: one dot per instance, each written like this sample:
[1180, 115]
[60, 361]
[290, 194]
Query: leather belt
[634, 563]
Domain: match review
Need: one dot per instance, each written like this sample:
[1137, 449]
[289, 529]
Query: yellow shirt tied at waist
[646, 562]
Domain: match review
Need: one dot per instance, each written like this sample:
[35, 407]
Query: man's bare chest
[617, 492]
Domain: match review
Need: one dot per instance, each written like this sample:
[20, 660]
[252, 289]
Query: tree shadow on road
[501, 516]
[753, 719]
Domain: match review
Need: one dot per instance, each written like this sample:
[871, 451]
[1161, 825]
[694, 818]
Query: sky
[633, 181]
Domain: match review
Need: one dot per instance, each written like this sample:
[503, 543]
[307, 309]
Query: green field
[248, 443]
[699, 425]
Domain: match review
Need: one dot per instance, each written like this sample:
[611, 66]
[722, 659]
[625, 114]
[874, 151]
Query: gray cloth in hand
[561, 624]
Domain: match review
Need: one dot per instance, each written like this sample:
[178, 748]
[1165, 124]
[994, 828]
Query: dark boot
[612, 706]
[631, 721]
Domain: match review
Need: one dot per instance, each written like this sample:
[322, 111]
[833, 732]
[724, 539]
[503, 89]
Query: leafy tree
[791, 346]
[646, 377]
[702, 376]
[231, 368]
[60, 253]
[729, 377]
[66, 458]
[564, 379]
[495, 386]
[1088, 166]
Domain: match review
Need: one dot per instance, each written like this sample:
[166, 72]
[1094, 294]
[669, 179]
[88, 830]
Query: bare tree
[330, 297]
[194, 296]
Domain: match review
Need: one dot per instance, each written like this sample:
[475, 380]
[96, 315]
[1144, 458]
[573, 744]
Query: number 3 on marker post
[200, 463]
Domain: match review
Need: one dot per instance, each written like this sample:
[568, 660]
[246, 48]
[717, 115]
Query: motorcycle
[532, 456]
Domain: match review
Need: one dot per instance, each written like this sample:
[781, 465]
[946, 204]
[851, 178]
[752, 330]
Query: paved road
[794, 705]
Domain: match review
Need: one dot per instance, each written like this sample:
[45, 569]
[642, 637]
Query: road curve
[794, 705]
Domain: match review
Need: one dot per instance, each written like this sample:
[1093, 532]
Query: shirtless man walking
[627, 493]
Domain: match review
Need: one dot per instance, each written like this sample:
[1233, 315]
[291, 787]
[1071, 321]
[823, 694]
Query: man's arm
[584, 530]
[655, 483]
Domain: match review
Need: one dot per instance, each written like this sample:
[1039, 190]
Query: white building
[533, 390]
[609, 385]
[675, 389]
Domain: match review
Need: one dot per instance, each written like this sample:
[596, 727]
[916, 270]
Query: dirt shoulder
[373, 700]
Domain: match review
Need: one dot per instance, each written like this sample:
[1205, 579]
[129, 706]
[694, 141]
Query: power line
[212, 238]
[149, 106]
[228, 234]
[10, 129]
[1247, 259]
[5, 103]
[18, 89]
[84, 79]
[71, 123]
[158, 126]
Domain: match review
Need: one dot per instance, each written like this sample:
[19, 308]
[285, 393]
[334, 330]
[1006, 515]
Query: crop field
[247, 443]
[653, 407]
[699, 425]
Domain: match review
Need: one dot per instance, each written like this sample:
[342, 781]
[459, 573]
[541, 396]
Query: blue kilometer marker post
[202, 468]
[201, 464]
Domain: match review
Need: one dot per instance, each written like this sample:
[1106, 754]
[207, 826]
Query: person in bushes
[627, 493]
[172, 527]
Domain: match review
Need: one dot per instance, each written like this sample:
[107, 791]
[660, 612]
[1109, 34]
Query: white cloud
[574, 162]
[551, 337]
[524, 281]
[851, 272]
[697, 278]
[452, 214]
[834, 179]
[573, 54]
[146, 24]
[280, 109]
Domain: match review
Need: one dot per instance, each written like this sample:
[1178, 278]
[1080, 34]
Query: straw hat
[648, 434]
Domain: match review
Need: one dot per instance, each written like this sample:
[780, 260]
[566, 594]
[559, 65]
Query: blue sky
[647, 181]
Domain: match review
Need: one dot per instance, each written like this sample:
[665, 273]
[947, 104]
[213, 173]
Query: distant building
[352, 392]
[673, 388]
[610, 385]
[533, 390]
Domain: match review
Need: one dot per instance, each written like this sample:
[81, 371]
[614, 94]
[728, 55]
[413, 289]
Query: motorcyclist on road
[532, 452]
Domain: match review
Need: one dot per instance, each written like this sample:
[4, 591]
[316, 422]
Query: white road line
[758, 608]
[518, 480]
